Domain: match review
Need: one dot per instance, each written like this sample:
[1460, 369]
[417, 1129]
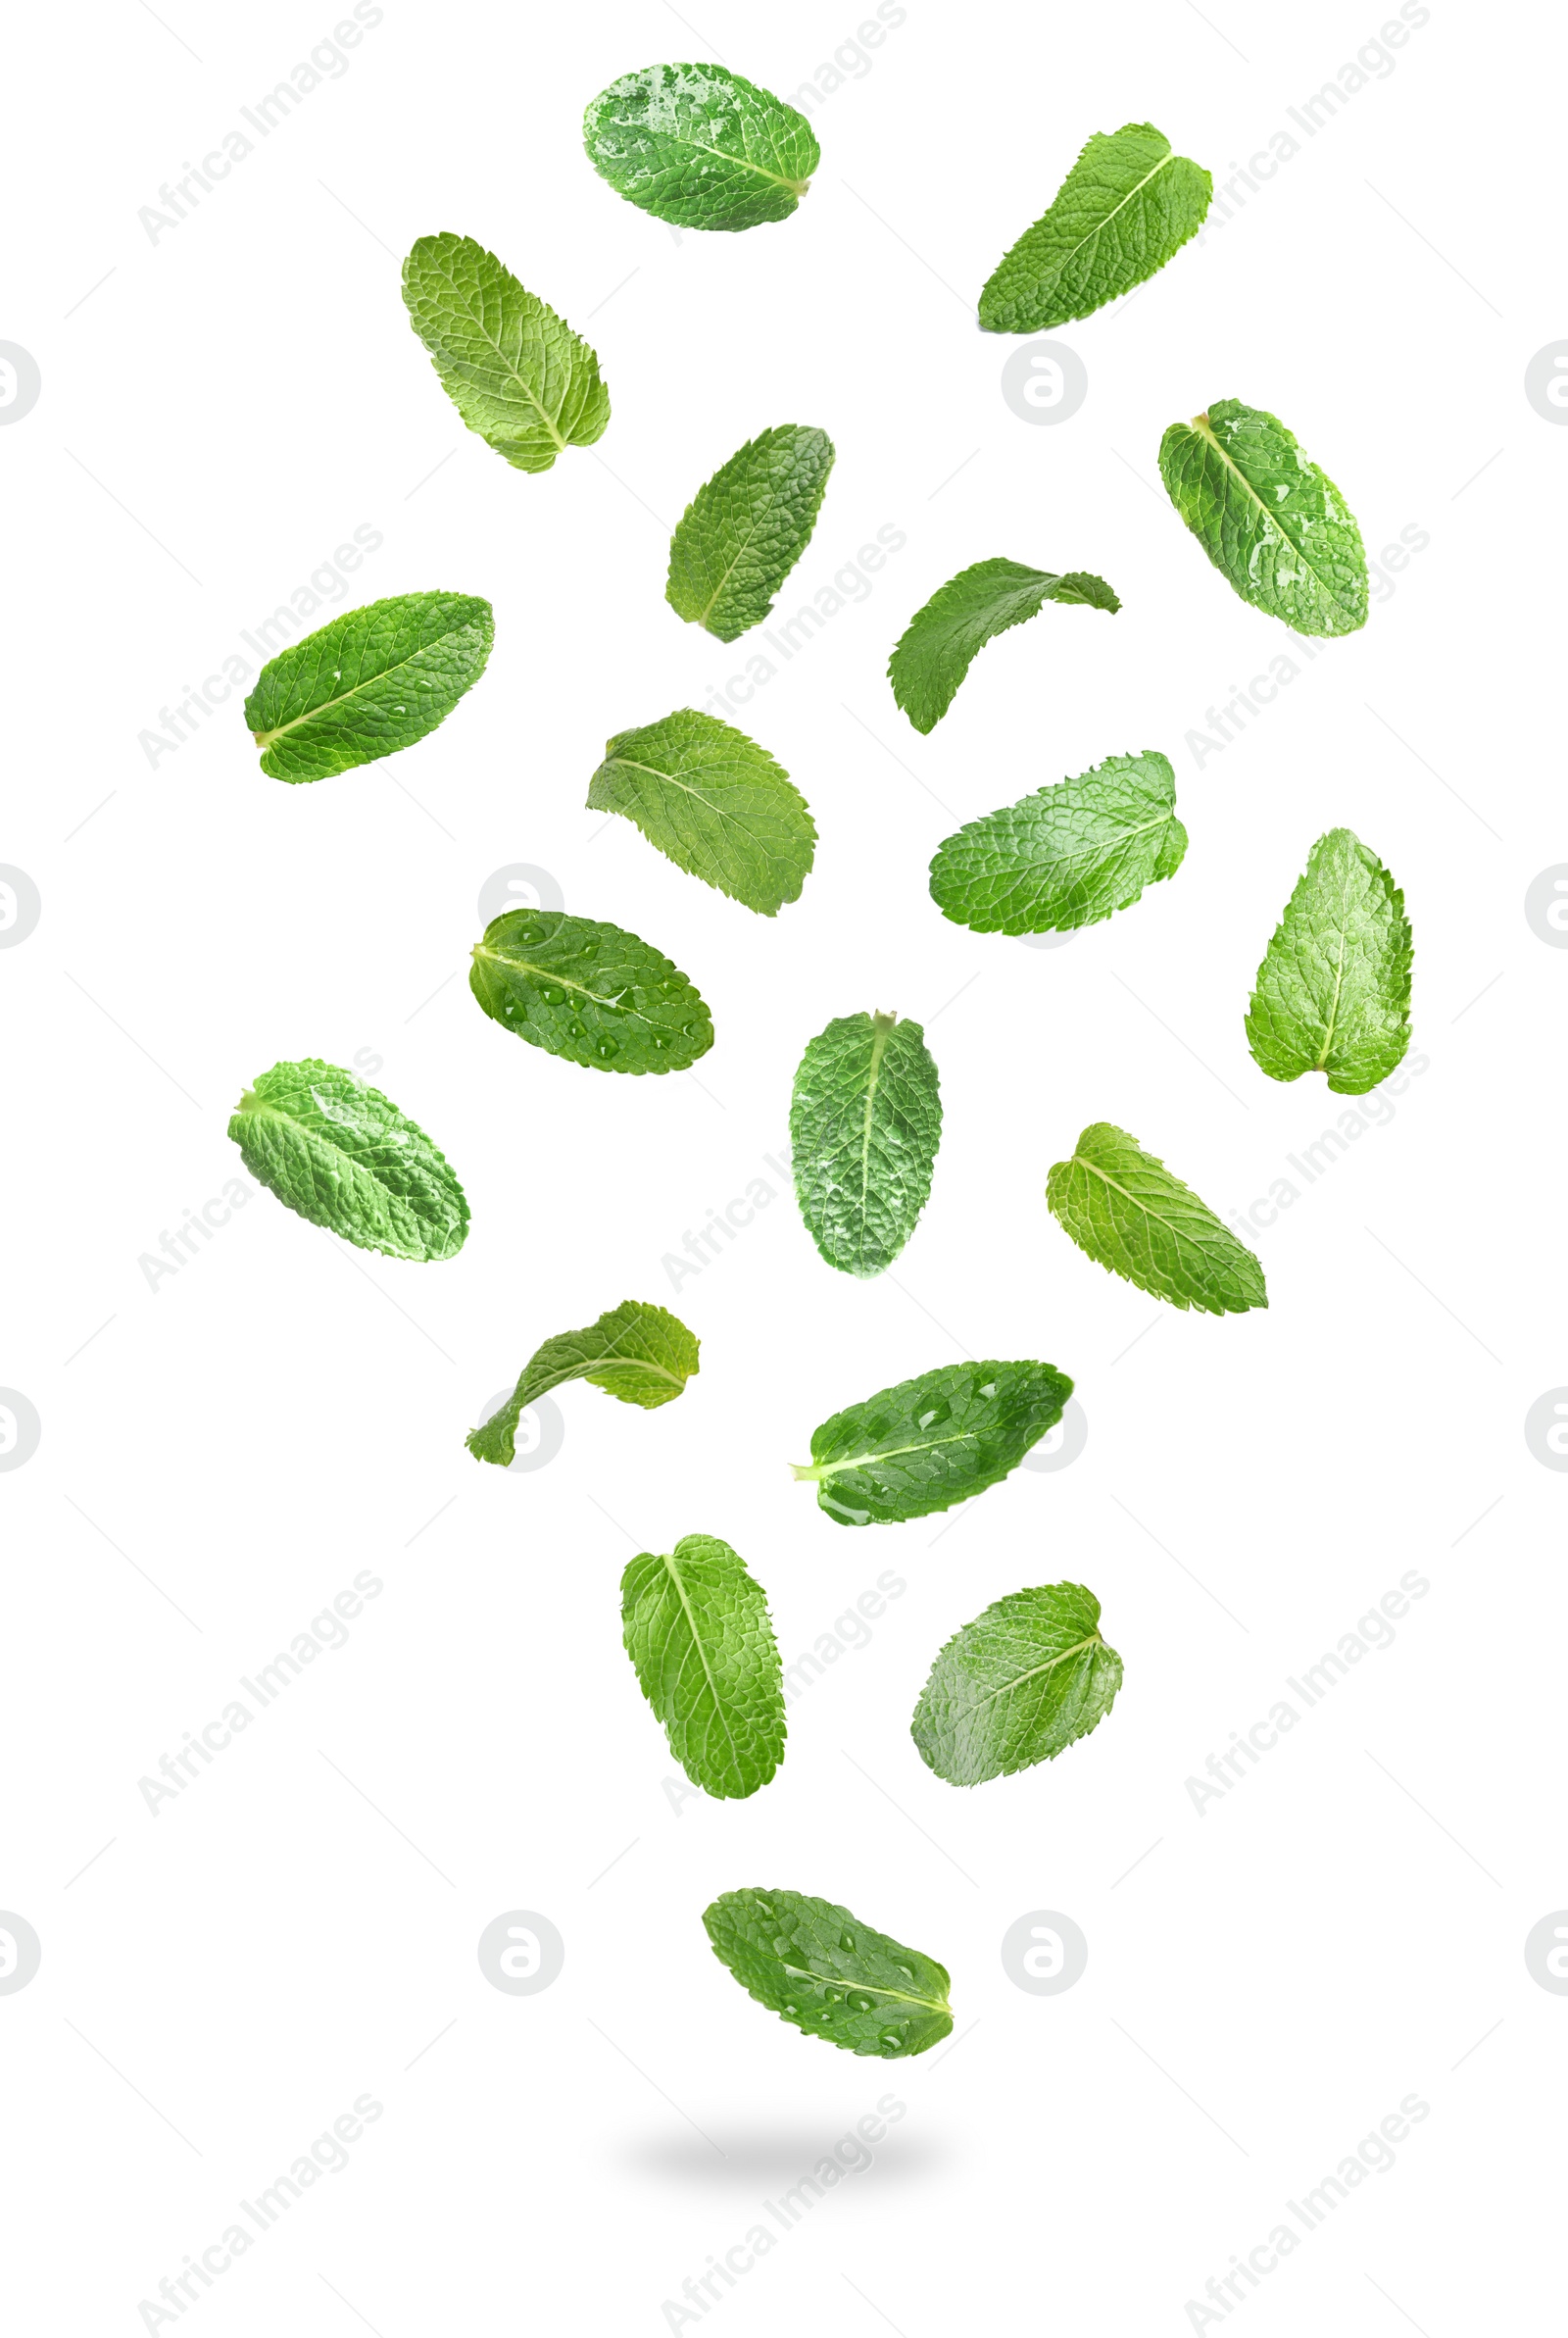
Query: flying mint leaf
[714, 802]
[1126, 206]
[1016, 1685]
[1274, 525]
[1334, 990]
[700, 147]
[814, 1964]
[866, 1120]
[514, 371]
[931, 1442]
[746, 528]
[372, 682]
[343, 1156]
[696, 1628]
[1066, 856]
[588, 992]
[641, 1354]
[1126, 1209]
[937, 646]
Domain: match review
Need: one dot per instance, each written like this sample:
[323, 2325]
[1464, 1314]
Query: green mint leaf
[1334, 990]
[1126, 1209]
[866, 1121]
[931, 1442]
[589, 992]
[714, 802]
[1066, 856]
[342, 1154]
[700, 147]
[1274, 525]
[746, 528]
[514, 371]
[641, 1354]
[370, 683]
[1012, 1688]
[696, 1628]
[1126, 206]
[814, 1964]
[938, 645]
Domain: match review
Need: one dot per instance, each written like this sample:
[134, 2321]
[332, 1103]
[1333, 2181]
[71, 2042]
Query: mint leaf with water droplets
[589, 992]
[641, 1354]
[941, 641]
[1124, 1208]
[342, 1154]
[866, 1120]
[1027, 1677]
[699, 146]
[1333, 992]
[373, 681]
[931, 1442]
[714, 802]
[1126, 207]
[816, 1966]
[1273, 523]
[1066, 856]
[697, 1629]
[514, 371]
[746, 528]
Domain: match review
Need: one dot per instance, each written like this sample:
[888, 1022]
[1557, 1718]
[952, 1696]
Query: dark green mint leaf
[1012, 1688]
[931, 1442]
[697, 146]
[1334, 991]
[641, 1354]
[814, 1964]
[1274, 525]
[866, 1120]
[939, 643]
[514, 371]
[343, 1156]
[696, 1628]
[372, 682]
[714, 802]
[1126, 206]
[589, 992]
[1126, 1209]
[1066, 856]
[746, 528]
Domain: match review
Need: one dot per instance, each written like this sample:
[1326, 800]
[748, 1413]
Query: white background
[229, 1448]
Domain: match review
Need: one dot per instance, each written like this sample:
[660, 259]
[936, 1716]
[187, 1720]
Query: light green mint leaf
[746, 528]
[643, 1354]
[866, 1121]
[1126, 1209]
[700, 147]
[342, 1154]
[373, 681]
[939, 643]
[696, 1628]
[931, 1442]
[1126, 206]
[814, 1964]
[589, 992]
[1274, 525]
[1334, 991]
[1015, 1686]
[514, 371]
[1066, 856]
[714, 802]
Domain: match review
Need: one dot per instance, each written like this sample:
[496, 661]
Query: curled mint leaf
[1066, 856]
[714, 802]
[641, 1354]
[746, 528]
[941, 641]
[866, 1121]
[700, 147]
[1027, 1677]
[1126, 206]
[931, 1442]
[1274, 525]
[1123, 1207]
[589, 992]
[373, 681]
[814, 1964]
[1333, 992]
[514, 371]
[342, 1154]
[697, 1629]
